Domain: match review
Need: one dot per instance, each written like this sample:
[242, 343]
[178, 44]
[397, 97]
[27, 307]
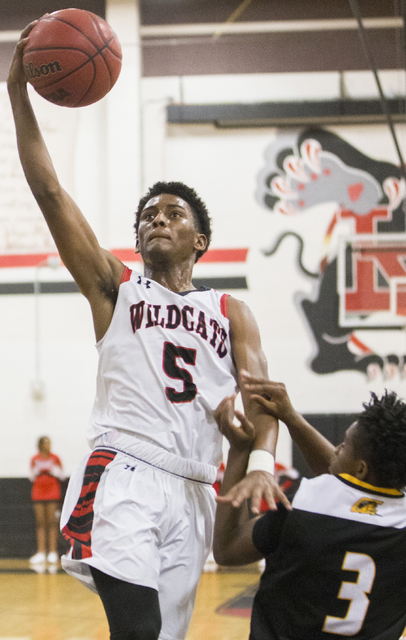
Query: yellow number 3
[355, 592]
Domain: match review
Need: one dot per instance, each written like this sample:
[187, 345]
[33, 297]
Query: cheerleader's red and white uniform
[46, 475]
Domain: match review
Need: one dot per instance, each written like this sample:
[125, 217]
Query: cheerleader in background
[46, 476]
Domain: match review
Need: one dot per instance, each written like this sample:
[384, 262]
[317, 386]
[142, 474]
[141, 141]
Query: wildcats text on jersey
[181, 343]
[144, 315]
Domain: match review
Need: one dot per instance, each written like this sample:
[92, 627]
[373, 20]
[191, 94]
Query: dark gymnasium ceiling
[313, 44]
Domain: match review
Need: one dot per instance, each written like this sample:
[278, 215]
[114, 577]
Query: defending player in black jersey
[335, 564]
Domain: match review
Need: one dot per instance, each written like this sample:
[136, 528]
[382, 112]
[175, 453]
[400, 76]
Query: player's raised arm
[96, 271]
[273, 397]
[248, 356]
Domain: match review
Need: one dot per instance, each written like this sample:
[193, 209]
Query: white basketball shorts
[141, 524]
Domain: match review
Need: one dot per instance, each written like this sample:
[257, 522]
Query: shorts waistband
[157, 457]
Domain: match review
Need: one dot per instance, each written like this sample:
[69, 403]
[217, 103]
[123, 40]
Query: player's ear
[137, 246]
[362, 469]
[200, 242]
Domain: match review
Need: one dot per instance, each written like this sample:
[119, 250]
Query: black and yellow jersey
[336, 564]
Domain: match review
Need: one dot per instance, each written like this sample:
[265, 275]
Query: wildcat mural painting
[357, 310]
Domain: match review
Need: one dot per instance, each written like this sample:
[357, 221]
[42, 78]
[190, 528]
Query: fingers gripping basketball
[72, 58]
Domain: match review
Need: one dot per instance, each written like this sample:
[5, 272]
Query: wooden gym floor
[55, 606]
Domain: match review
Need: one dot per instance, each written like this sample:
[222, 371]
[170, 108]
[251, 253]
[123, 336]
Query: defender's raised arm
[273, 397]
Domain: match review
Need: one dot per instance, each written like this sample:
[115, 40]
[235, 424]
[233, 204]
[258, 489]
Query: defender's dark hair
[381, 439]
[189, 195]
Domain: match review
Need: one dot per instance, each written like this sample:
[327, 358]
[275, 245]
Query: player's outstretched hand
[257, 485]
[16, 74]
[271, 395]
[240, 437]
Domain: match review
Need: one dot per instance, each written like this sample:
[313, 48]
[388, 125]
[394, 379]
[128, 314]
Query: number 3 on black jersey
[170, 355]
[355, 592]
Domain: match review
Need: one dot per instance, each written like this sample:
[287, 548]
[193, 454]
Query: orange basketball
[72, 57]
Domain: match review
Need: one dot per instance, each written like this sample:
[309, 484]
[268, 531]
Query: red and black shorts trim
[78, 530]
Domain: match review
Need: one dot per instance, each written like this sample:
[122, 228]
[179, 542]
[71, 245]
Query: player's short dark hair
[189, 195]
[381, 439]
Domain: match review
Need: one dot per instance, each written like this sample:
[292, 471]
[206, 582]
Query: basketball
[72, 58]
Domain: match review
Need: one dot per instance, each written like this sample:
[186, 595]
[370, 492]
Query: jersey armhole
[223, 304]
[126, 275]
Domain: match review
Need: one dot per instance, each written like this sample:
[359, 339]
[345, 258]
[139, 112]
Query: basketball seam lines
[97, 27]
[106, 43]
[90, 59]
[86, 36]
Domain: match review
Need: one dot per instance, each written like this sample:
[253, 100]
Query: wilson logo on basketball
[43, 70]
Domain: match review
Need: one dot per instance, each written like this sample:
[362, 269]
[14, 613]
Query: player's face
[167, 227]
[344, 459]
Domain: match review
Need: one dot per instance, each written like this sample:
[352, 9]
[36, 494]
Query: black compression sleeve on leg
[132, 610]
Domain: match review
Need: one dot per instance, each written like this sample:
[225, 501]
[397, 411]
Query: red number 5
[170, 355]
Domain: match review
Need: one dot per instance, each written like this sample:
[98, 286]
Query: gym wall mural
[356, 313]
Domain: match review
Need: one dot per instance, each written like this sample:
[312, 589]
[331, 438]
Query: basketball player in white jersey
[335, 563]
[139, 511]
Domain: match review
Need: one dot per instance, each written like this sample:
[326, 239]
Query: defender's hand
[271, 395]
[240, 437]
[256, 485]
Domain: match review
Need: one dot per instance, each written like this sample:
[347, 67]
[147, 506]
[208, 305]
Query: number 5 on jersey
[170, 355]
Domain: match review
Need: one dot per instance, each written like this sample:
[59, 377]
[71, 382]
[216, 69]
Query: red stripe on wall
[24, 260]
[125, 255]
[212, 255]
[225, 255]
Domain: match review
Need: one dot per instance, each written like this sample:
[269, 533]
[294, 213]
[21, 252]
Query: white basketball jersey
[164, 366]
